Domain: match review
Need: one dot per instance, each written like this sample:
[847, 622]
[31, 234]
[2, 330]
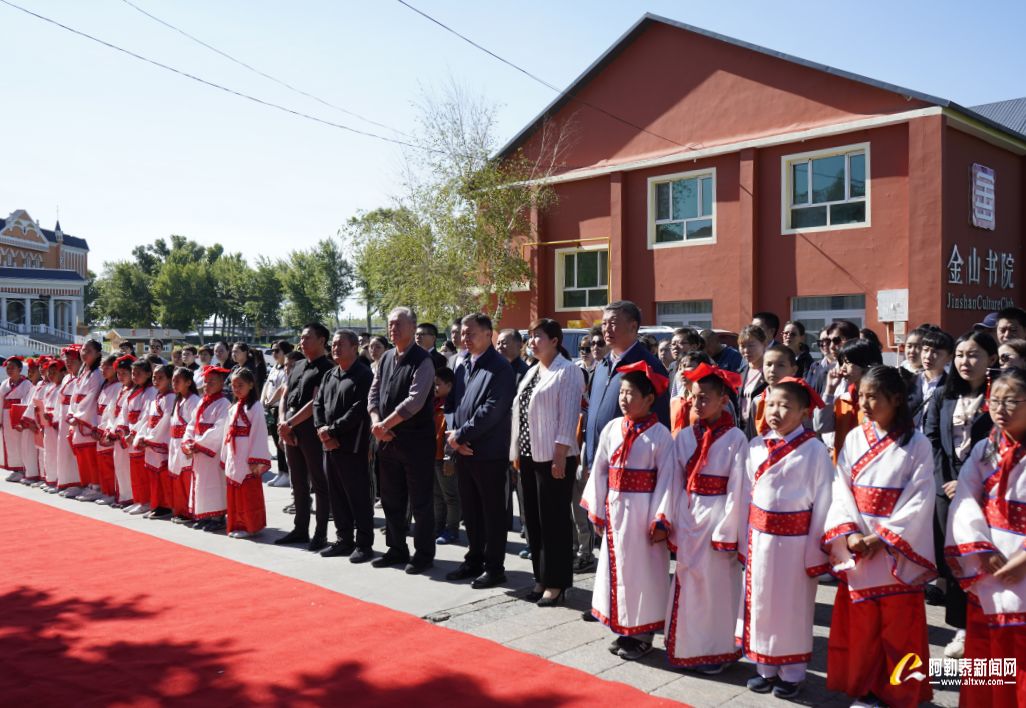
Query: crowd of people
[762, 470]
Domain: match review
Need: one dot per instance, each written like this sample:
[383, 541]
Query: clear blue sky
[131, 153]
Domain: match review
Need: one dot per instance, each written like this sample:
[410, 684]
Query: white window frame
[827, 315]
[662, 179]
[686, 319]
[561, 272]
[786, 187]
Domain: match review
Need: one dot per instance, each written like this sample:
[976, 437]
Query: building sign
[982, 197]
[994, 270]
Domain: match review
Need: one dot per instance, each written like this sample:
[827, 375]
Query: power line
[240, 94]
[528, 74]
[276, 80]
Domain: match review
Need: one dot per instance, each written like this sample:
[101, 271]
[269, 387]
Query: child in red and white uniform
[154, 437]
[788, 487]
[55, 373]
[84, 416]
[106, 403]
[630, 475]
[880, 536]
[246, 457]
[179, 466]
[69, 482]
[32, 446]
[202, 444]
[703, 508]
[135, 407]
[119, 429]
[14, 394]
[984, 546]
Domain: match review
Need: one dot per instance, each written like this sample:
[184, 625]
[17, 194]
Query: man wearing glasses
[426, 338]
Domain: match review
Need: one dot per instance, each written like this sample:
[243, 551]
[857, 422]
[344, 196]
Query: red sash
[706, 436]
[631, 430]
[779, 523]
[240, 426]
[778, 450]
[876, 446]
[627, 480]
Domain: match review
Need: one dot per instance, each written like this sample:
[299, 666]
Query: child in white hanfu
[246, 457]
[789, 475]
[631, 471]
[704, 506]
[202, 444]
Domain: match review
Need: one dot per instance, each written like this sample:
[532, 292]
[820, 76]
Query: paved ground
[499, 614]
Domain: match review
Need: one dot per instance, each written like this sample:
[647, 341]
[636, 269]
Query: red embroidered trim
[205, 450]
[902, 546]
[1006, 619]
[839, 530]
[967, 549]
[882, 591]
[779, 453]
[709, 485]
[209, 514]
[628, 480]
[876, 501]
[704, 660]
[818, 570]
[779, 523]
[876, 446]
[105, 450]
[133, 416]
[178, 431]
[1011, 518]
[591, 516]
[720, 546]
[202, 427]
[626, 631]
[159, 447]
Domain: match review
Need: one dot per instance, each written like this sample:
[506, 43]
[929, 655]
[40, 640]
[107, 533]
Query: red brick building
[731, 178]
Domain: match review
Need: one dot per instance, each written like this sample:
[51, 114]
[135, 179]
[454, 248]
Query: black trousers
[483, 500]
[406, 472]
[550, 522]
[306, 469]
[279, 448]
[349, 493]
[954, 596]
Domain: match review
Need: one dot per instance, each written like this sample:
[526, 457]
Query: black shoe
[361, 555]
[391, 557]
[199, 524]
[758, 684]
[161, 512]
[338, 549]
[617, 644]
[181, 520]
[290, 509]
[533, 596]
[588, 617]
[488, 579]
[464, 572]
[317, 543]
[552, 601]
[786, 689]
[215, 525]
[634, 649]
[293, 536]
[416, 567]
[934, 596]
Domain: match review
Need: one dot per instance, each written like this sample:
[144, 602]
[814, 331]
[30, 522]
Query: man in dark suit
[427, 337]
[343, 427]
[509, 343]
[480, 438]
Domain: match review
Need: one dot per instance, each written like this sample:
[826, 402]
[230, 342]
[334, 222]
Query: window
[816, 312]
[582, 278]
[682, 209]
[825, 190]
[685, 313]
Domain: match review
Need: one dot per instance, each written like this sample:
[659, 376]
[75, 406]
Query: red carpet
[93, 614]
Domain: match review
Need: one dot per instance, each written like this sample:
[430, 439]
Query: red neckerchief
[761, 426]
[779, 449]
[1010, 454]
[439, 404]
[118, 403]
[706, 435]
[853, 394]
[631, 430]
[243, 430]
[136, 391]
[683, 415]
[207, 400]
[177, 410]
[876, 446]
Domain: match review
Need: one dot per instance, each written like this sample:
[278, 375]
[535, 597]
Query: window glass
[663, 201]
[808, 217]
[828, 179]
[857, 175]
[669, 232]
[800, 183]
[685, 199]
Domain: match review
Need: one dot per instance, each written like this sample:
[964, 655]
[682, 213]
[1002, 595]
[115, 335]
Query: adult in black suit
[403, 424]
[343, 426]
[509, 343]
[959, 404]
[480, 437]
[427, 337]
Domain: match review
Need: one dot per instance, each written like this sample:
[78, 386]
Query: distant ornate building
[42, 277]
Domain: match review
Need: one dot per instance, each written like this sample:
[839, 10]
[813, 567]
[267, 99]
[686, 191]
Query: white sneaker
[88, 495]
[71, 492]
[282, 480]
[15, 476]
[240, 534]
[131, 508]
[105, 500]
[139, 509]
[956, 647]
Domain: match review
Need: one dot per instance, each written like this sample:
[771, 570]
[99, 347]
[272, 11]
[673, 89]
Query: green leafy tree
[123, 296]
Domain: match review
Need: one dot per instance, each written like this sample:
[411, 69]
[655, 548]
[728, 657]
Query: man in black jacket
[343, 427]
[480, 438]
[427, 337]
[402, 420]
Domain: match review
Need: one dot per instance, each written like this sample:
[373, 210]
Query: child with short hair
[703, 506]
[840, 414]
[935, 350]
[778, 362]
[880, 535]
[246, 455]
[447, 496]
[752, 342]
[787, 484]
[630, 475]
[984, 545]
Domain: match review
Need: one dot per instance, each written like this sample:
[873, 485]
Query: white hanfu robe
[11, 396]
[122, 454]
[107, 409]
[181, 415]
[67, 465]
[208, 496]
[631, 583]
[789, 492]
[32, 447]
[886, 489]
[84, 411]
[51, 438]
[987, 514]
[704, 508]
[157, 431]
[245, 442]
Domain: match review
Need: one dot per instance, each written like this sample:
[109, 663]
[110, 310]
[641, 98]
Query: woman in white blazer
[544, 446]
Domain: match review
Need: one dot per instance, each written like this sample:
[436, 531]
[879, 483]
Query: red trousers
[246, 510]
[180, 487]
[140, 480]
[985, 642]
[869, 638]
[88, 469]
[105, 466]
[160, 487]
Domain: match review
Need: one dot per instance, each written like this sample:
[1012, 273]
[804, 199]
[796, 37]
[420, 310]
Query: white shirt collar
[617, 359]
[773, 435]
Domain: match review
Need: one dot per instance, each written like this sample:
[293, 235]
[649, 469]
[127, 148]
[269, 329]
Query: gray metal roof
[41, 274]
[649, 19]
[1010, 113]
[73, 241]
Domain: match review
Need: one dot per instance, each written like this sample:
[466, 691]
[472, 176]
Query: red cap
[15, 358]
[56, 362]
[207, 370]
[127, 358]
[659, 382]
[814, 398]
[733, 380]
[72, 349]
